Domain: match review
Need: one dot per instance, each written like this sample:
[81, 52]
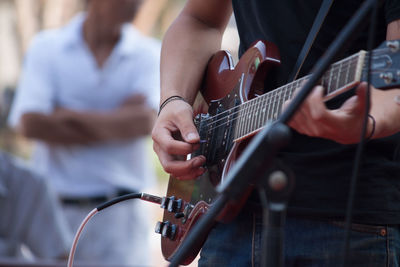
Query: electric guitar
[233, 109]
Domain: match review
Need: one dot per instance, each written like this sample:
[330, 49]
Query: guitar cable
[360, 146]
[142, 196]
[353, 179]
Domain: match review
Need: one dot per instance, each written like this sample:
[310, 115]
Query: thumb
[357, 103]
[187, 128]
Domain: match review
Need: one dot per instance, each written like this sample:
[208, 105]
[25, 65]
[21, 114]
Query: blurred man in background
[31, 215]
[87, 96]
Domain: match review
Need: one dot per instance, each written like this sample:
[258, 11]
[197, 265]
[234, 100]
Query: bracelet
[169, 99]
[373, 127]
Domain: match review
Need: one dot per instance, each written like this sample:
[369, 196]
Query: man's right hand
[175, 136]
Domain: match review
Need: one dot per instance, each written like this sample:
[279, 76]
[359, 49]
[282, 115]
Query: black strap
[319, 19]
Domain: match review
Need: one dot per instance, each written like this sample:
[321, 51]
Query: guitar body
[224, 88]
[233, 107]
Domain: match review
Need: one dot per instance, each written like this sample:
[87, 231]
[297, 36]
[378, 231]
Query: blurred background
[20, 20]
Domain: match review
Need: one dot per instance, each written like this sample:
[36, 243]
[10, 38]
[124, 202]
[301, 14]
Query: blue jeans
[306, 243]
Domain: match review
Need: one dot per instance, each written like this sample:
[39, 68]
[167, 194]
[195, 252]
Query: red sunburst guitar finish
[234, 107]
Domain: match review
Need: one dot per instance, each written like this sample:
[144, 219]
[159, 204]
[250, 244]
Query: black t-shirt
[322, 167]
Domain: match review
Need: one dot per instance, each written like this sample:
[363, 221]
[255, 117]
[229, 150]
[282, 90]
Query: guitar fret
[264, 109]
[280, 101]
[239, 123]
[268, 104]
[251, 117]
[246, 119]
[273, 99]
[259, 106]
[352, 72]
[347, 72]
[255, 119]
[273, 106]
[295, 86]
[279, 106]
[243, 118]
[338, 76]
[269, 101]
[330, 81]
[290, 91]
[342, 75]
[255, 113]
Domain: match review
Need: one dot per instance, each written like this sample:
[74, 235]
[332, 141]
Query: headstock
[385, 65]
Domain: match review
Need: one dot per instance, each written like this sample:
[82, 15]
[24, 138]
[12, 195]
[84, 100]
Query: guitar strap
[319, 19]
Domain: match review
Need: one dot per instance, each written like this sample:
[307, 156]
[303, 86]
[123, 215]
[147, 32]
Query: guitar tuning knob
[159, 226]
[393, 45]
[174, 205]
[171, 204]
[166, 229]
[387, 77]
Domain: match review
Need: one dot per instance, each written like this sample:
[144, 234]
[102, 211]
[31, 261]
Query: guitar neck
[255, 113]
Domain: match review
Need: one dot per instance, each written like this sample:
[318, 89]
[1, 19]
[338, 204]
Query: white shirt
[60, 71]
[23, 190]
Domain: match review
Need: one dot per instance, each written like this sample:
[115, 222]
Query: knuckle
[155, 147]
[167, 167]
[169, 147]
[154, 135]
[318, 116]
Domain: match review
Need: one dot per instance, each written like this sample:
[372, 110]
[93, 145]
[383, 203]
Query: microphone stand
[262, 150]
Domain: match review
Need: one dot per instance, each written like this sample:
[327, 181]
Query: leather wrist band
[373, 127]
[170, 99]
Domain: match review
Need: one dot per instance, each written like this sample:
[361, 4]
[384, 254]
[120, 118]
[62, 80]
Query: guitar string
[250, 103]
[245, 112]
[336, 65]
[245, 107]
[349, 62]
[270, 97]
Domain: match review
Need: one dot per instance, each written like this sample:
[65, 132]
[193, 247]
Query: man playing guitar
[324, 135]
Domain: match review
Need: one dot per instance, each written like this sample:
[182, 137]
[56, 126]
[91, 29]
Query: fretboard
[253, 115]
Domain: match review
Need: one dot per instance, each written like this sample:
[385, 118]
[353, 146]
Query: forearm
[187, 47]
[67, 127]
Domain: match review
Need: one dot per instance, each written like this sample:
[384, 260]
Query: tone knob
[174, 205]
[169, 230]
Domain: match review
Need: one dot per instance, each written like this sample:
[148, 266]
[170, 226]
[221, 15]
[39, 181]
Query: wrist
[372, 127]
[170, 99]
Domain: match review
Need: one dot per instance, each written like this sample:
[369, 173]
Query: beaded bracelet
[373, 127]
[169, 99]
